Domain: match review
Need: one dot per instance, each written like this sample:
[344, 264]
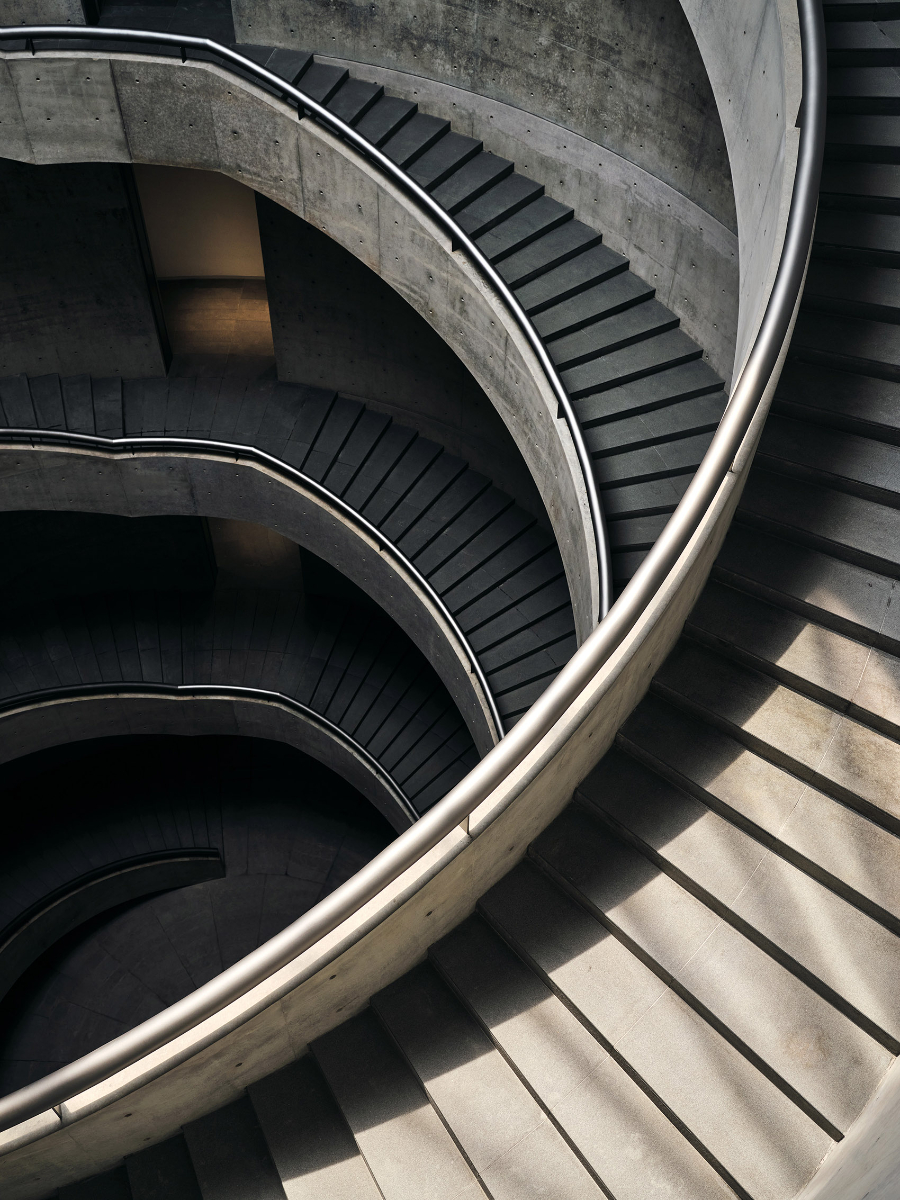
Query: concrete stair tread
[615, 291]
[354, 98]
[634, 362]
[513, 1147]
[855, 764]
[524, 227]
[588, 1094]
[440, 161]
[697, 415]
[839, 594]
[311, 1145]
[832, 946]
[498, 203]
[665, 1044]
[163, 1172]
[616, 331]
[858, 530]
[472, 180]
[698, 954]
[866, 468]
[230, 1155]
[386, 116]
[571, 242]
[417, 135]
[821, 837]
[407, 1148]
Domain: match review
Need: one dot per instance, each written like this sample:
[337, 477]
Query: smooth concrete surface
[671, 240]
[751, 52]
[43, 12]
[74, 294]
[200, 224]
[628, 77]
[133, 485]
[218, 327]
[129, 110]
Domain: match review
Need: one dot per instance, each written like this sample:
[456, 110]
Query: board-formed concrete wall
[74, 294]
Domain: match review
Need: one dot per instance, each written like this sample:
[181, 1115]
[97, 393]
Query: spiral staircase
[635, 930]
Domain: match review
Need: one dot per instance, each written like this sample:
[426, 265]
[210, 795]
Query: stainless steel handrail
[458, 236]
[538, 722]
[237, 449]
[228, 691]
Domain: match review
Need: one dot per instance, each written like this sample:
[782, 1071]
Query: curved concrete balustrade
[475, 582]
[212, 1063]
[65, 909]
[90, 106]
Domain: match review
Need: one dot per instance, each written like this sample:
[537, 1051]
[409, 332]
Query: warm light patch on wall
[200, 224]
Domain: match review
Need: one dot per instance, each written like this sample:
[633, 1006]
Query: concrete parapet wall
[752, 55]
[128, 108]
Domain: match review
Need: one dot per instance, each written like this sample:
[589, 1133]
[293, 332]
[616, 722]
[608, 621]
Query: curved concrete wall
[52, 723]
[123, 108]
[660, 186]
[185, 484]
[752, 54]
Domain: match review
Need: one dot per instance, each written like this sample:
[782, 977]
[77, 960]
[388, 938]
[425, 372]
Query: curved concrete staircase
[690, 986]
[497, 570]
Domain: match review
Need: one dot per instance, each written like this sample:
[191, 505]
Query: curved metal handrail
[238, 449]
[458, 236]
[538, 722]
[27, 700]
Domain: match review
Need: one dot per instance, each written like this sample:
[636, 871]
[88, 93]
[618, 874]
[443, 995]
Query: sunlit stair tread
[759, 892]
[537, 219]
[471, 180]
[514, 1148]
[835, 457]
[669, 1047]
[616, 331]
[308, 1138]
[827, 840]
[850, 527]
[406, 1146]
[846, 597]
[547, 255]
[850, 761]
[845, 674]
[500, 202]
[633, 362]
[616, 291]
[439, 162]
[354, 98]
[590, 1097]
[414, 137]
[386, 116]
[320, 81]
[689, 946]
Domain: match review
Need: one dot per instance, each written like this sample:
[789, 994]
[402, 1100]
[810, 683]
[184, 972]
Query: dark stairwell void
[286, 829]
